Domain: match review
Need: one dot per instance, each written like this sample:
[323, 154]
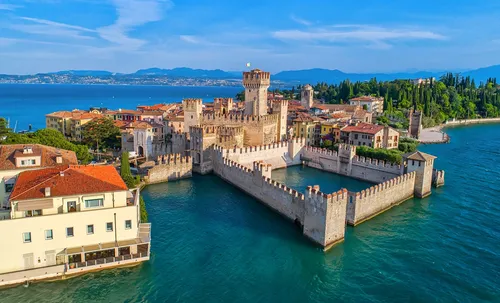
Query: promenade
[433, 135]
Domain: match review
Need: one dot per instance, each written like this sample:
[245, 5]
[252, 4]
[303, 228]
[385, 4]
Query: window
[93, 203]
[49, 235]
[9, 187]
[33, 213]
[27, 237]
[128, 224]
[69, 232]
[32, 162]
[90, 229]
[109, 226]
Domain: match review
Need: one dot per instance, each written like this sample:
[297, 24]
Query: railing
[106, 260]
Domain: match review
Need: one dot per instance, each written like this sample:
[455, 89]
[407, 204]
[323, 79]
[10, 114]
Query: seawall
[372, 201]
[471, 121]
[169, 168]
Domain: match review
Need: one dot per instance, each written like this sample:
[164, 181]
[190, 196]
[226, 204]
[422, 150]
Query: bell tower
[256, 83]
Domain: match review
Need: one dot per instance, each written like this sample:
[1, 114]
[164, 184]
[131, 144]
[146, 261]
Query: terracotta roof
[48, 155]
[67, 180]
[303, 117]
[143, 124]
[364, 128]
[419, 156]
[128, 111]
[336, 107]
[360, 113]
[75, 114]
[120, 123]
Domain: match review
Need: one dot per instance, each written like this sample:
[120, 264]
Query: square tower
[423, 165]
[256, 83]
[306, 96]
[192, 112]
[280, 107]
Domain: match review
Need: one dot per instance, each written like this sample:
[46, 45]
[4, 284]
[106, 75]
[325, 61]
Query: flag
[248, 64]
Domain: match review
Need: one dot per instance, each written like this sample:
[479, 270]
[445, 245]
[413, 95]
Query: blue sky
[353, 36]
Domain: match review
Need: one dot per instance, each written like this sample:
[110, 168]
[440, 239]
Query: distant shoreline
[432, 134]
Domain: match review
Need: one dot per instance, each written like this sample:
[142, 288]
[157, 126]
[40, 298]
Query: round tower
[256, 83]
[306, 96]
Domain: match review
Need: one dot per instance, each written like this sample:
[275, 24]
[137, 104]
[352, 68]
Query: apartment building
[70, 219]
[308, 127]
[371, 135]
[373, 105]
[70, 124]
[16, 158]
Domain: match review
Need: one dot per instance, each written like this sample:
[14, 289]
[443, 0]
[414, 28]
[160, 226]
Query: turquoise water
[29, 103]
[212, 243]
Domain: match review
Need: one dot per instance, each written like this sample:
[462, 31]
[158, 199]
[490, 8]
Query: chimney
[28, 150]
[58, 159]
[61, 173]
[47, 191]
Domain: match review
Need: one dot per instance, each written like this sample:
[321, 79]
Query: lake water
[29, 103]
[212, 243]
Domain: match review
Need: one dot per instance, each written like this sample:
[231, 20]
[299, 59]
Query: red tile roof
[367, 99]
[48, 155]
[364, 128]
[67, 180]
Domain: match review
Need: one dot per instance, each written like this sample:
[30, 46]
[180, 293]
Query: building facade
[373, 105]
[70, 219]
[371, 135]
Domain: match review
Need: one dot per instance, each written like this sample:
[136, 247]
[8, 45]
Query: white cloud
[300, 20]
[57, 24]
[376, 36]
[51, 28]
[131, 14]
[8, 7]
[189, 39]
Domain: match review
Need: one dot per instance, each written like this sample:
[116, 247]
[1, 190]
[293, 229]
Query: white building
[70, 219]
[373, 105]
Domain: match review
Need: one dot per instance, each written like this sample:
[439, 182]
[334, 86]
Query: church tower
[256, 83]
[306, 96]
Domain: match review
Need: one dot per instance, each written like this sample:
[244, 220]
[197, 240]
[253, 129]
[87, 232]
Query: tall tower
[256, 83]
[192, 112]
[415, 127]
[306, 96]
[280, 107]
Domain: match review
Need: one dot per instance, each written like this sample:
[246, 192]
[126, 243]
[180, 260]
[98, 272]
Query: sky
[352, 36]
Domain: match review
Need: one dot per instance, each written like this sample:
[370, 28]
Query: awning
[35, 205]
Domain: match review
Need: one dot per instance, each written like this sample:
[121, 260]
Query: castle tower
[256, 83]
[422, 164]
[192, 112]
[306, 96]
[415, 127]
[223, 105]
[280, 107]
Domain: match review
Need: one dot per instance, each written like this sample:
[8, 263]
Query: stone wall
[345, 162]
[321, 215]
[372, 201]
[438, 177]
[178, 144]
[170, 167]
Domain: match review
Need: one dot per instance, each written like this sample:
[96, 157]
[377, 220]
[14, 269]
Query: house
[330, 131]
[371, 135]
[145, 138]
[70, 219]
[17, 158]
[304, 126]
[373, 105]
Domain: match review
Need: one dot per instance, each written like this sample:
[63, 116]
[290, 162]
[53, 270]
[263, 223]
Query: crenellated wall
[372, 201]
[438, 177]
[279, 155]
[345, 162]
[321, 215]
[178, 144]
[170, 167]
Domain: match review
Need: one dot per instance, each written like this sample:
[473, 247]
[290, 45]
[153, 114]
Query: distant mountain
[335, 76]
[482, 74]
[185, 72]
[316, 75]
[94, 73]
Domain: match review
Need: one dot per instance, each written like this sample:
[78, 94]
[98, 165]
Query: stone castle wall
[178, 144]
[368, 203]
[321, 215]
[345, 162]
[438, 177]
[170, 167]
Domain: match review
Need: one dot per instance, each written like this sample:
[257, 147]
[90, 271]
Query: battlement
[377, 164]
[314, 193]
[262, 166]
[230, 163]
[380, 188]
[231, 130]
[192, 104]
[278, 103]
[203, 129]
[321, 151]
[172, 159]
[256, 78]
[343, 148]
[239, 118]
[223, 100]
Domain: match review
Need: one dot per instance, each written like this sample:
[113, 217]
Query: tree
[125, 172]
[101, 131]
[4, 130]
[144, 212]
[240, 96]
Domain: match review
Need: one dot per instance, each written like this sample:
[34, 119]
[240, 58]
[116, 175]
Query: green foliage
[240, 96]
[101, 133]
[4, 131]
[52, 138]
[389, 155]
[327, 143]
[125, 171]
[144, 212]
